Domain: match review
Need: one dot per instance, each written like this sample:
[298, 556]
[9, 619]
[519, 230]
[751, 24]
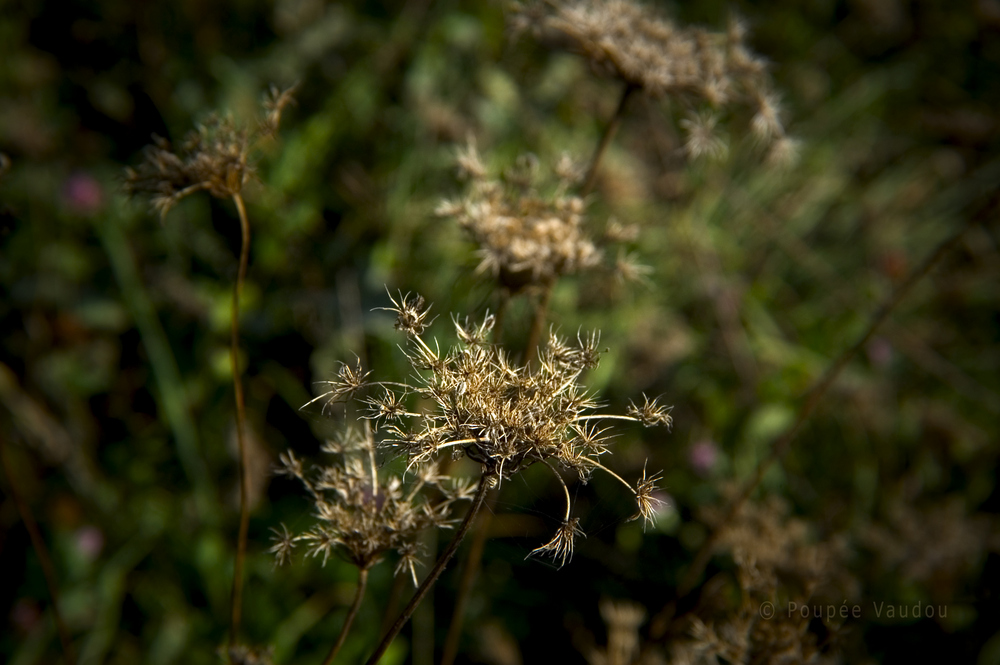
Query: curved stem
[351, 613]
[234, 359]
[42, 552]
[609, 133]
[432, 576]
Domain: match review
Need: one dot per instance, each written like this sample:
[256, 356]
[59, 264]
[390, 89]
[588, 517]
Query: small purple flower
[89, 541]
[703, 457]
[83, 194]
[879, 352]
[25, 615]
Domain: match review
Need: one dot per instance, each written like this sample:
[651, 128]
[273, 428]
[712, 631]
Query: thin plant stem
[781, 446]
[359, 594]
[541, 314]
[501, 313]
[609, 133]
[477, 502]
[41, 551]
[234, 358]
[469, 574]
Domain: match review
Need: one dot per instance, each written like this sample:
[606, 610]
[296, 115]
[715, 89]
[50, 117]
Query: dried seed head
[411, 314]
[213, 158]
[528, 233]
[478, 403]
[651, 413]
[560, 548]
[633, 42]
[283, 546]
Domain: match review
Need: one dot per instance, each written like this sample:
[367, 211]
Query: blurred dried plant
[702, 70]
[530, 230]
[213, 158]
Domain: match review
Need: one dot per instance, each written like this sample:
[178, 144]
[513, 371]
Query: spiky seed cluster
[632, 42]
[501, 414]
[525, 237]
[213, 158]
[362, 516]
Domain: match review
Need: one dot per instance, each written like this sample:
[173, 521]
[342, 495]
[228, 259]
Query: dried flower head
[528, 231]
[362, 516]
[694, 66]
[213, 158]
[477, 402]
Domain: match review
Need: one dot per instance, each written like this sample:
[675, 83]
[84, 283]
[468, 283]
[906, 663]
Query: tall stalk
[609, 133]
[359, 594]
[477, 502]
[234, 358]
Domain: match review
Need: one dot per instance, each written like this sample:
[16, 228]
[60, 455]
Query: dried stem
[609, 133]
[42, 552]
[812, 399]
[432, 576]
[234, 357]
[469, 574]
[538, 323]
[359, 594]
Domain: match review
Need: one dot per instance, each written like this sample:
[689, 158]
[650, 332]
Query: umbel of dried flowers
[362, 516]
[213, 158]
[703, 70]
[480, 404]
[529, 232]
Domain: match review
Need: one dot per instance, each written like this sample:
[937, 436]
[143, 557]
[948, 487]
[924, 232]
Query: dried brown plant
[362, 516]
[697, 68]
[213, 158]
[532, 229]
[503, 415]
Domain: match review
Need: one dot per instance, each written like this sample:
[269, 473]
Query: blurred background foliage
[117, 413]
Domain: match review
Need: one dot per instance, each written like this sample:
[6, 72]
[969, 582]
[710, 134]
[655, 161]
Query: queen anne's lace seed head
[362, 516]
[506, 416]
[699, 68]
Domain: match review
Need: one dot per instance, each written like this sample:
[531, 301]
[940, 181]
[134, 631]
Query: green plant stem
[359, 594]
[469, 573]
[609, 133]
[538, 323]
[166, 375]
[234, 358]
[661, 622]
[41, 551]
[435, 572]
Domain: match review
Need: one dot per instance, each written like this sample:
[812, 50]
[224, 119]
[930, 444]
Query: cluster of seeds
[214, 158]
[701, 69]
[506, 416]
[363, 516]
[525, 236]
